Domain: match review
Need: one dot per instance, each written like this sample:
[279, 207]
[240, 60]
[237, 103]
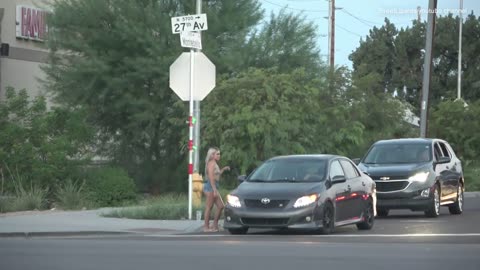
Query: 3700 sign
[189, 23]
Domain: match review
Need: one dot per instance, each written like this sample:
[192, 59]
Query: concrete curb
[473, 194]
[60, 234]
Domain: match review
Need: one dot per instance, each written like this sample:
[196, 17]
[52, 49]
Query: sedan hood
[282, 190]
[392, 169]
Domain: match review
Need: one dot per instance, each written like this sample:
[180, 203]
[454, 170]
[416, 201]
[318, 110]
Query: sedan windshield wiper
[284, 180]
[256, 180]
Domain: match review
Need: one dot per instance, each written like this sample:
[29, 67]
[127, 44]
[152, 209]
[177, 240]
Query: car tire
[242, 230]
[328, 219]
[434, 208]
[368, 218]
[382, 212]
[457, 207]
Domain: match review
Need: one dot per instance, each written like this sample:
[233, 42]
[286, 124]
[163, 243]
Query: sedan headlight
[419, 177]
[305, 200]
[234, 201]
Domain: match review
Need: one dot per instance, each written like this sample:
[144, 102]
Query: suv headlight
[234, 201]
[305, 200]
[419, 177]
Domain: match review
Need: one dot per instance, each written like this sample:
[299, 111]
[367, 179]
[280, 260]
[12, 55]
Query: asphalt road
[404, 240]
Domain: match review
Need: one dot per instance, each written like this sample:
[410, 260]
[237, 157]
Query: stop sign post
[202, 80]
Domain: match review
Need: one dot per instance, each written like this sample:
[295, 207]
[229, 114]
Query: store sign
[31, 23]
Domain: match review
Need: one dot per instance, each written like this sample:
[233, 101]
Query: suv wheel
[382, 212]
[457, 207]
[434, 208]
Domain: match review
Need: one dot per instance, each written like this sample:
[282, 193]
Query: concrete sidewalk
[89, 222]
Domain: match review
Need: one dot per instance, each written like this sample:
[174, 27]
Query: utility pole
[459, 81]
[332, 34]
[419, 16]
[427, 65]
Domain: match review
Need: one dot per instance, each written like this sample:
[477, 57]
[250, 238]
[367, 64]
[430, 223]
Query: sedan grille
[389, 186]
[273, 204]
[265, 221]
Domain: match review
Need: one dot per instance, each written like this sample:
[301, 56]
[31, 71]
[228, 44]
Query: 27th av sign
[190, 23]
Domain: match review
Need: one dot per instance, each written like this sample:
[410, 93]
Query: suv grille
[386, 186]
[273, 204]
[265, 221]
[375, 177]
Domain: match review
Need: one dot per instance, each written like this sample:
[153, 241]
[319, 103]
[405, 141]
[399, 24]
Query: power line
[296, 9]
[366, 22]
[345, 29]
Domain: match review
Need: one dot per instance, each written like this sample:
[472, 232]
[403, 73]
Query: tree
[112, 58]
[39, 146]
[459, 125]
[377, 55]
[405, 53]
[286, 42]
[273, 114]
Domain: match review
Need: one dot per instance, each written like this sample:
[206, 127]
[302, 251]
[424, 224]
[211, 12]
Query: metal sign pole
[190, 135]
[196, 114]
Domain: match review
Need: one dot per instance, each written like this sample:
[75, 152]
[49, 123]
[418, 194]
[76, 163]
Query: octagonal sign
[204, 76]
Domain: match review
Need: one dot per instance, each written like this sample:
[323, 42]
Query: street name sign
[189, 23]
[191, 40]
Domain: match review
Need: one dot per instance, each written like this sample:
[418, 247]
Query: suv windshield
[399, 153]
[290, 170]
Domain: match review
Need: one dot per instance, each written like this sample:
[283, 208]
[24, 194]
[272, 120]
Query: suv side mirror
[443, 160]
[339, 179]
[356, 161]
[241, 178]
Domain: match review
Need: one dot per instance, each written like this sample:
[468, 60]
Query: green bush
[471, 172]
[71, 196]
[110, 186]
[5, 203]
[42, 145]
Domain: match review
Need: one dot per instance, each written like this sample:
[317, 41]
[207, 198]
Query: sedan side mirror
[241, 178]
[356, 161]
[339, 179]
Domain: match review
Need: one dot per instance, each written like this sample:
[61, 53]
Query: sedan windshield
[398, 153]
[290, 170]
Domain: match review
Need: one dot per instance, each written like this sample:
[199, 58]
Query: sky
[355, 18]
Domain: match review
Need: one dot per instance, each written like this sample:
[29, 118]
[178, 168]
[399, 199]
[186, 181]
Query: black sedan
[316, 192]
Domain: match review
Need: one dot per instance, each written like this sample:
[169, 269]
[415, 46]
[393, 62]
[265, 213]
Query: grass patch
[471, 172]
[165, 207]
[168, 206]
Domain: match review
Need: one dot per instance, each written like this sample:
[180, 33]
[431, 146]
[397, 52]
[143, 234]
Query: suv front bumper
[405, 199]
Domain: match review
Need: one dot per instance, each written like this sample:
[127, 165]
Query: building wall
[21, 68]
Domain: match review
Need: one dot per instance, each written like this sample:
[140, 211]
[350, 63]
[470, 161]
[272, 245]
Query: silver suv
[415, 174]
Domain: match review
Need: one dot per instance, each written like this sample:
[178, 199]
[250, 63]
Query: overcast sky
[357, 17]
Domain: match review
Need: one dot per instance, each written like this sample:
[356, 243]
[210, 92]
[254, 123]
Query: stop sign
[203, 76]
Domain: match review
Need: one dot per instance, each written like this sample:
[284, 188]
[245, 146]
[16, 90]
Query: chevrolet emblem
[385, 178]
